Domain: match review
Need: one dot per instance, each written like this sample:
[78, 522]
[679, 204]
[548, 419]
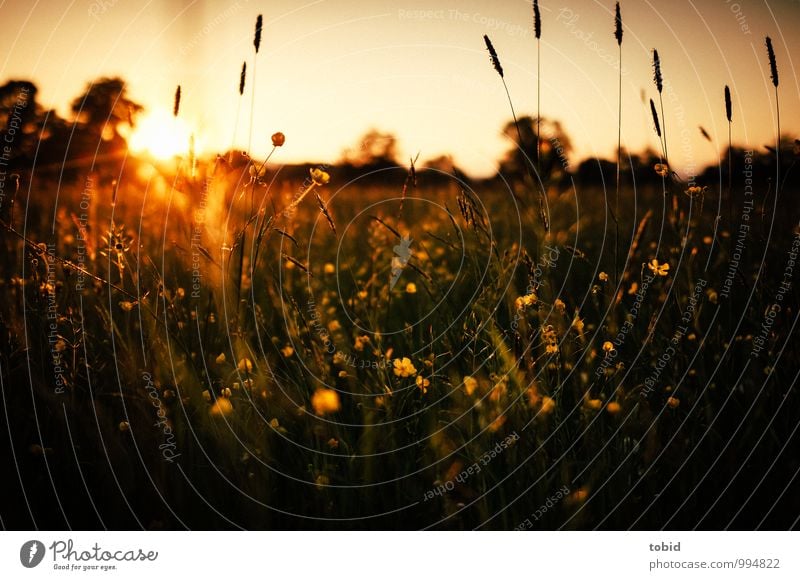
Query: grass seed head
[177, 106]
[728, 107]
[618, 25]
[773, 66]
[657, 72]
[257, 37]
[493, 56]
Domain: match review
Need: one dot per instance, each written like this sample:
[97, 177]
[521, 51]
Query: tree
[104, 108]
[374, 148]
[555, 146]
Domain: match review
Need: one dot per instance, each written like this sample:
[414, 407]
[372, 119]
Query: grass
[148, 382]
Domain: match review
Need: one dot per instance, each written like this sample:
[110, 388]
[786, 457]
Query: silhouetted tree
[555, 146]
[374, 148]
[103, 109]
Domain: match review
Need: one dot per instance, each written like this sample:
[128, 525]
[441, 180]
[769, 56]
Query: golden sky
[330, 69]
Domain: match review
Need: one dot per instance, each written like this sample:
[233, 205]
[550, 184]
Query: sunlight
[161, 135]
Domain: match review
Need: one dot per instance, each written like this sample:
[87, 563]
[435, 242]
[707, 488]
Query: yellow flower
[613, 408]
[658, 269]
[548, 405]
[403, 367]
[470, 384]
[245, 365]
[423, 384]
[694, 191]
[560, 306]
[124, 426]
[662, 169]
[634, 288]
[411, 288]
[329, 268]
[524, 301]
[577, 324]
[287, 351]
[533, 396]
[603, 277]
[126, 306]
[334, 325]
[594, 404]
[550, 339]
[608, 346]
[361, 342]
[673, 402]
[325, 401]
[220, 359]
[221, 408]
[320, 177]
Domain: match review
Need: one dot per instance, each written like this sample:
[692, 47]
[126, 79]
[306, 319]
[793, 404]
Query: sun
[161, 135]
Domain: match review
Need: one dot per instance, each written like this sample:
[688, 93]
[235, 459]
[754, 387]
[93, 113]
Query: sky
[330, 69]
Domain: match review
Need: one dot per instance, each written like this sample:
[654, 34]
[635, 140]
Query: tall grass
[618, 35]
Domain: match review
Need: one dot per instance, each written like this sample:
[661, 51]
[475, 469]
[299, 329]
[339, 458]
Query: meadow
[225, 342]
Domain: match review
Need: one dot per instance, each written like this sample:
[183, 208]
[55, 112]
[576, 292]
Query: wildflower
[694, 191]
[221, 408]
[495, 425]
[613, 408]
[180, 293]
[226, 392]
[658, 269]
[578, 324]
[661, 169]
[594, 404]
[361, 342]
[470, 384]
[325, 401]
[342, 374]
[245, 365]
[319, 177]
[560, 306]
[207, 396]
[411, 288]
[124, 426]
[330, 268]
[126, 306]
[548, 405]
[550, 339]
[333, 443]
[712, 295]
[603, 277]
[287, 351]
[334, 325]
[423, 384]
[403, 367]
[278, 139]
[608, 347]
[220, 359]
[673, 402]
[524, 301]
[533, 396]
[634, 288]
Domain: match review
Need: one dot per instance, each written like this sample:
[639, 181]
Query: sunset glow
[161, 135]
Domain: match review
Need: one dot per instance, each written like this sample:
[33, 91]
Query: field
[147, 384]
[224, 342]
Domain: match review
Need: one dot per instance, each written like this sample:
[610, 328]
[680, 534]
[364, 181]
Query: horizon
[392, 69]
